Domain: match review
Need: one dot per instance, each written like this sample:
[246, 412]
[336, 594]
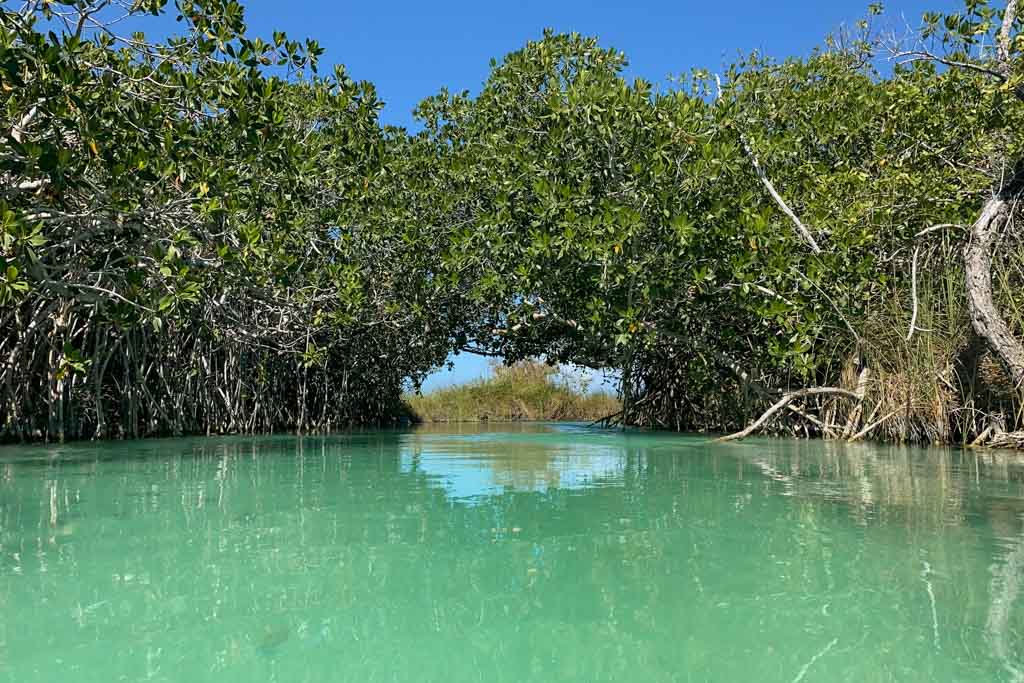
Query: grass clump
[941, 385]
[527, 390]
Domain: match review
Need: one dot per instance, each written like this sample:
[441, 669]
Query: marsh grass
[527, 390]
[941, 386]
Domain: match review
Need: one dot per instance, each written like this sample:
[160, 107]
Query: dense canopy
[206, 234]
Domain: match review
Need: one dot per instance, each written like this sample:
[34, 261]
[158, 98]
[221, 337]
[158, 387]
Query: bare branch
[874, 425]
[800, 227]
[805, 234]
[19, 128]
[920, 55]
[29, 185]
[1003, 70]
[826, 429]
[84, 13]
[101, 290]
[480, 352]
[941, 226]
[1004, 40]
[913, 293]
[782, 403]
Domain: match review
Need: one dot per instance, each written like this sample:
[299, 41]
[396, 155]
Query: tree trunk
[985, 317]
[55, 378]
[100, 368]
[998, 210]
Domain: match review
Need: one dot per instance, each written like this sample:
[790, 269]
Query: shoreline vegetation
[208, 234]
[525, 391]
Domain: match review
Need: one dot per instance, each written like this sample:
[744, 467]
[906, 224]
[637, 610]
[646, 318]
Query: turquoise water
[542, 553]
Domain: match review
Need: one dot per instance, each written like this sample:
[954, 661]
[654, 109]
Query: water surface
[545, 553]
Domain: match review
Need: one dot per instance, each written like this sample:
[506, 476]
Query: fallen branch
[607, 420]
[981, 437]
[782, 403]
[826, 429]
[1008, 440]
[874, 425]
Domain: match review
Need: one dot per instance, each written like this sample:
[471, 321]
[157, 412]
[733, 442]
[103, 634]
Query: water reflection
[509, 554]
[928, 486]
[471, 466]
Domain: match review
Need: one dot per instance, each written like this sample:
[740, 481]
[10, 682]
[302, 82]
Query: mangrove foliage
[206, 234]
[180, 239]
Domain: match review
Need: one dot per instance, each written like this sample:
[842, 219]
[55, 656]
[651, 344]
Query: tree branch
[874, 425]
[1004, 40]
[805, 234]
[782, 403]
[918, 55]
[800, 227]
[19, 128]
[913, 293]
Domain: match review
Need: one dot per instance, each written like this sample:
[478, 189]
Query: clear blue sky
[412, 49]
